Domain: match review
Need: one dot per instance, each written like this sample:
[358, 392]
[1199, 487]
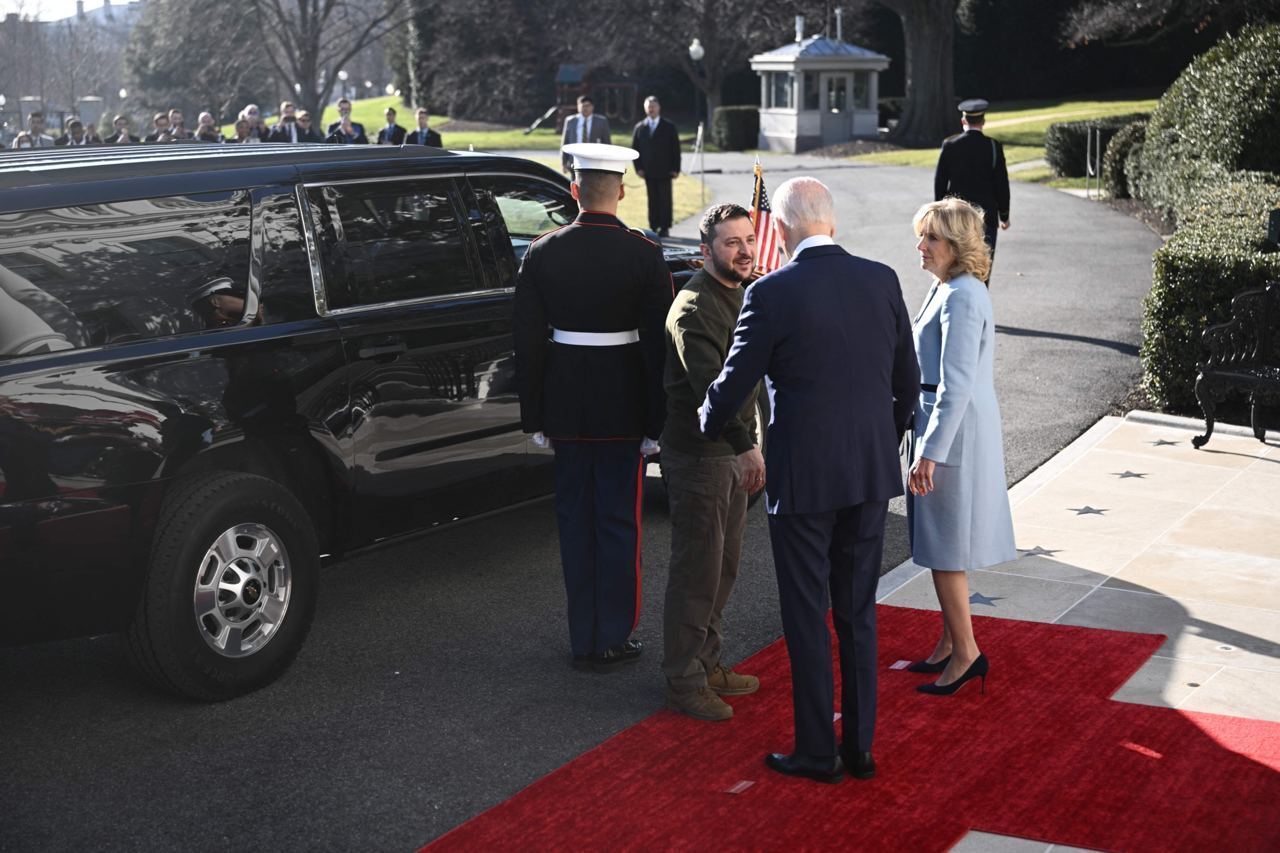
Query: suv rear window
[390, 242]
[100, 274]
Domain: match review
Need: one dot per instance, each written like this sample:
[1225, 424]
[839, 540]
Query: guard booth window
[386, 242]
[101, 274]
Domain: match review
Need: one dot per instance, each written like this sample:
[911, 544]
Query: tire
[230, 590]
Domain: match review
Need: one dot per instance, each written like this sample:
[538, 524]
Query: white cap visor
[597, 155]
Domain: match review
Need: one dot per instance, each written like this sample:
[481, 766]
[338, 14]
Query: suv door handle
[383, 352]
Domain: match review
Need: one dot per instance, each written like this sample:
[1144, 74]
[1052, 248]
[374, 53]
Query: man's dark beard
[726, 274]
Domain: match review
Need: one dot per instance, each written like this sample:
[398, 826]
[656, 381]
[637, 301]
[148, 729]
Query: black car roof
[60, 176]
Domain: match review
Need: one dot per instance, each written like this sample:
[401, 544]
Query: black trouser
[598, 502]
[990, 228]
[659, 190]
[835, 554]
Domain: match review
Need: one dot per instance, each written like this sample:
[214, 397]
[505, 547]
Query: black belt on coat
[924, 387]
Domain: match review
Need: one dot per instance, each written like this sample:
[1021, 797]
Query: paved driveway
[436, 681]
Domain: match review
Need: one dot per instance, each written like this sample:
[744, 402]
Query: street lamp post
[696, 53]
[342, 79]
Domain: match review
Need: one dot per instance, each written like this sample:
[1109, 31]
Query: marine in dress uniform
[590, 304]
[972, 167]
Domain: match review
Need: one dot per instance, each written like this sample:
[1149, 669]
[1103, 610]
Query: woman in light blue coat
[957, 502]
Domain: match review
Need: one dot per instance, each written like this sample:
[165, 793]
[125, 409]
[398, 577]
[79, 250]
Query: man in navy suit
[831, 334]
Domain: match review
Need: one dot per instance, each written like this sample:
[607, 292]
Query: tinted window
[286, 271]
[107, 273]
[390, 242]
[530, 208]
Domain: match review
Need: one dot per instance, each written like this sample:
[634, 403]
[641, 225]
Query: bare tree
[928, 29]
[1127, 22]
[309, 41]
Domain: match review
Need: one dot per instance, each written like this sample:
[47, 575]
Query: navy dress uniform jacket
[832, 333]
[593, 275]
[971, 166]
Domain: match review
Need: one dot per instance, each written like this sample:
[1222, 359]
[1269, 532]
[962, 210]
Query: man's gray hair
[804, 201]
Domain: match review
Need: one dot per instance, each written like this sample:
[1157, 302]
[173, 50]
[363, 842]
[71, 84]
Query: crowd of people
[292, 125]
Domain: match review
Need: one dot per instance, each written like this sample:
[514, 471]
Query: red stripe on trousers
[639, 535]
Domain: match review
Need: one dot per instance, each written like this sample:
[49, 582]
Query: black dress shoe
[859, 764]
[829, 770]
[610, 659]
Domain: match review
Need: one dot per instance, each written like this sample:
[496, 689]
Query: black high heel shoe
[925, 666]
[978, 669]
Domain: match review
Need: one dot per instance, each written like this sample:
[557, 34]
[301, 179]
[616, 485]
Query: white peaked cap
[597, 155]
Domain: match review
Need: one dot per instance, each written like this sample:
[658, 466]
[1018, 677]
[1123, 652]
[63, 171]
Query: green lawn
[1021, 127]
[634, 209]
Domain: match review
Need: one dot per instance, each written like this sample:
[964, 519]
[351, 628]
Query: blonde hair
[960, 224]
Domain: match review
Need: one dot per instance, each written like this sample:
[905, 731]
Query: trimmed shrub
[1066, 143]
[1219, 251]
[736, 128]
[1220, 116]
[1133, 168]
[1117, 154]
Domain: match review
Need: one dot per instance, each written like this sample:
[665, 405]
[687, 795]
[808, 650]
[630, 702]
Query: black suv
[219, 364]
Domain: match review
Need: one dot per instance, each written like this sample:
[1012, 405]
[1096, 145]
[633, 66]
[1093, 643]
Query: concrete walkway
[1131, 529]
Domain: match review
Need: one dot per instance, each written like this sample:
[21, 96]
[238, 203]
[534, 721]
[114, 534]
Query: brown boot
[701, 704]
[726, 682]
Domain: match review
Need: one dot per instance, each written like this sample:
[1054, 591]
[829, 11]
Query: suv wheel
[230, 589]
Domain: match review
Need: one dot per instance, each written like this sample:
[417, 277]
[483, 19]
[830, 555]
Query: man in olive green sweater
[707, 481]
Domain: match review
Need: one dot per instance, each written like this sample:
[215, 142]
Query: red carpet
[1043, 755]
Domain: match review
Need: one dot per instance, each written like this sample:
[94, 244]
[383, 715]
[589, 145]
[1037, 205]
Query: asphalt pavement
[435, 682]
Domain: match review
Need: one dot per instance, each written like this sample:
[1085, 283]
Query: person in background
[75, 137]
[242, 131]
[424, 135]
[161, 132]
[23, 141]
[206, 130]
[583, 126]
[177, 127]
[35, 129]
[347, 133]
[658, 142]
[258, 131]
[344, 112]
[307, 133]
[286, 127]
[392, 134]
[122, 136]
[971, 166]
[958, 515]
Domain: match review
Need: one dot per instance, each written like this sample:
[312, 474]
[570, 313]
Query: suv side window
[530, 207]
[99, 274]
[390, 242]
[286, 271]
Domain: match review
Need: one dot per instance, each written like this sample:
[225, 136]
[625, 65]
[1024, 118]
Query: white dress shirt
[813, 240]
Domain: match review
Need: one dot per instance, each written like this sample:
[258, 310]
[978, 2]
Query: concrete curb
[1138, 416]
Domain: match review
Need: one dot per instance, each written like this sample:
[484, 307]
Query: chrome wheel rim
[242, 590]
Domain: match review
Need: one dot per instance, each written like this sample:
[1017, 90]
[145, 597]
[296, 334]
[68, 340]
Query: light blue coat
[965, 523]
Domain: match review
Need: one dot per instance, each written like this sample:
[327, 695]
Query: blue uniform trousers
[830, 559]
[598, 501]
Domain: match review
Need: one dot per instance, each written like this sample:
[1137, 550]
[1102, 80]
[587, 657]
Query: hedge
[1117, 154]
[736, 128]
[1221, 115]
[1066, 143]
[1219, 251]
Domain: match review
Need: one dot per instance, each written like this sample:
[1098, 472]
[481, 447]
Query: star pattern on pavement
[1037, 551]
[979, 598]
[1125, 475]
[1086, 510]
[1163, 442]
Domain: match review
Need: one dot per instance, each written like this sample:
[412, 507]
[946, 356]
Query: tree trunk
[928, 28]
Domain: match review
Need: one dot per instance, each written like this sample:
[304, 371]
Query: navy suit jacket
[831, 334]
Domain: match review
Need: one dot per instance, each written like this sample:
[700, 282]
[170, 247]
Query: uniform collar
[812, 241]
[597, 217]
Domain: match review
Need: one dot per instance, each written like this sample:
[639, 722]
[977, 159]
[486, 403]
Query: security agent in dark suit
[344, 112]
[831, 334]
[392, 134]
[424, 135]
[971, 166]
[590, 303]
[658, 142]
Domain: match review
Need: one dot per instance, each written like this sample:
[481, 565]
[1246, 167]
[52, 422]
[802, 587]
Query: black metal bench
[1244, 355]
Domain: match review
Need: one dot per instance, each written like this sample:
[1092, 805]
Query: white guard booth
[817, 91]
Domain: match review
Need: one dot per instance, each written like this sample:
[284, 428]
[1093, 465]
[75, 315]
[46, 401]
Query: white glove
[539, 440]
[649, 447]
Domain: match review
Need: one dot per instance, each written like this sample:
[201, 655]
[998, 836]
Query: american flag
[768, 246]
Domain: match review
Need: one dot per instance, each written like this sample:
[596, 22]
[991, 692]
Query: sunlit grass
[686, 197]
